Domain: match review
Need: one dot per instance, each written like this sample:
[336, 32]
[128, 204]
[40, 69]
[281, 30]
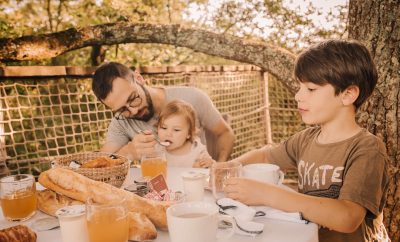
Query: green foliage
[272, 21]
[269, 21]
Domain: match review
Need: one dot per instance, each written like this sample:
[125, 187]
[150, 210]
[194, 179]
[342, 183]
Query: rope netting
[43, 118]
[285, 120]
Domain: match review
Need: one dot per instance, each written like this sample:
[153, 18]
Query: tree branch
[275, 60]
[49, 15]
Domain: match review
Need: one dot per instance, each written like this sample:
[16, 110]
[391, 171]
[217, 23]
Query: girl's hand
[204, 160]
[203, 163]
[247, 191]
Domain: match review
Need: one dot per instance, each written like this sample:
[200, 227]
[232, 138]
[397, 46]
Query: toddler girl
[176, 126]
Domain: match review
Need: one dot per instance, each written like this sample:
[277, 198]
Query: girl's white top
[198, 150]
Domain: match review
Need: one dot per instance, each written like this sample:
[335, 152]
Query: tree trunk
[377, 25]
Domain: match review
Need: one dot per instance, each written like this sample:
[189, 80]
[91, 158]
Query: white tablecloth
[274, 230]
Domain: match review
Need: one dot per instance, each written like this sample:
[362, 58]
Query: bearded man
[136, 107]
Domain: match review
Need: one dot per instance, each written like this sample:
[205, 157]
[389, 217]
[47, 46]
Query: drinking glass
[193, 185]
[18, 197]
[155, 163]
[72, 221]
[219, 172]
[107, 222]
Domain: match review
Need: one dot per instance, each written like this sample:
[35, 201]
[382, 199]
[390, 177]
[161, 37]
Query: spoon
[241, 226]
[163, 143]
[44, 224]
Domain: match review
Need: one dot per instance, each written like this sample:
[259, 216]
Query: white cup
[269, 173]
[196, 222]
[193, 185]
[73, 223]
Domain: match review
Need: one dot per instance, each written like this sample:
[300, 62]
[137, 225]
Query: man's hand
[143, 143]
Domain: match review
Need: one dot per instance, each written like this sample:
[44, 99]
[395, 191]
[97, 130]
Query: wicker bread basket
[114, 175]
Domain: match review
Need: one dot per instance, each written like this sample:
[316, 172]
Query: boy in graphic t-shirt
[342, 167]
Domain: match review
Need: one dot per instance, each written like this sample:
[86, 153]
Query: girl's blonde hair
[179, 107]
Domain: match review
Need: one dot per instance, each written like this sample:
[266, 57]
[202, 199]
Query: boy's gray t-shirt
[120, 132]
[354, 169]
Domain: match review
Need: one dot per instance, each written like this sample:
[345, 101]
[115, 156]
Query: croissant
[18, 233]
[102, 162]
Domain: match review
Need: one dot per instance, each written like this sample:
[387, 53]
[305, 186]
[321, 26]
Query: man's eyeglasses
[132, 103]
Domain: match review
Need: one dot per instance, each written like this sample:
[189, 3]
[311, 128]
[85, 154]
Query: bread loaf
[49, 201]
[18, 233]
[81, 188]
[140, 227]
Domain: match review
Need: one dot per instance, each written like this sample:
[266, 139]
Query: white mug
[196, 222]
[263, 172]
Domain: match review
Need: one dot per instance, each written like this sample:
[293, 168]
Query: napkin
[242, 215]
[280, 215]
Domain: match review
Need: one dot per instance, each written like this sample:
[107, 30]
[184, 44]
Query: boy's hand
[247, 191]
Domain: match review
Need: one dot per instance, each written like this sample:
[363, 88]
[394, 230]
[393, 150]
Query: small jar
[139, 190]
[142, 181]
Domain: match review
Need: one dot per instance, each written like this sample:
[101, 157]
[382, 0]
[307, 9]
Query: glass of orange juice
[18, 197]
[107, 222]
[154, 163]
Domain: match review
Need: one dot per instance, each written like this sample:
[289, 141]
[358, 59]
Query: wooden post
[3, 154]
[268, 132]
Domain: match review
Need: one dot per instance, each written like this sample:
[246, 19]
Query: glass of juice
[154, 163]
[18, 197]
[107, 222]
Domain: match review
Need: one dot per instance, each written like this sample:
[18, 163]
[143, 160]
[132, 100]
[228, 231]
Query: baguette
[140, 227]
[79, 187]
[49, 201]
[18, 233]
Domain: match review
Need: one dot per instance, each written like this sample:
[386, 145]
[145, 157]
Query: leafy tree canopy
[274, 22]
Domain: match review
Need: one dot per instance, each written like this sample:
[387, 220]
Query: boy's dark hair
[340, 63]
[105, 75]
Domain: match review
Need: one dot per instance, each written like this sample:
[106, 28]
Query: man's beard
[150, 107]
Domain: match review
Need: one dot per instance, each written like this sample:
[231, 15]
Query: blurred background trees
[285, 23]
